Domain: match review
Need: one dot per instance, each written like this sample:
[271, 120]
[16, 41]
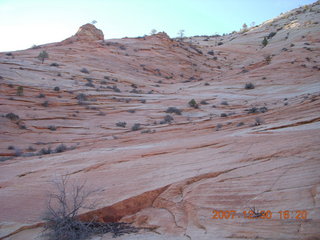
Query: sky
[24, 23]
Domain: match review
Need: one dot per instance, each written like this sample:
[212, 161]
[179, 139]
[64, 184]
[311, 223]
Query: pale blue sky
[27, 22]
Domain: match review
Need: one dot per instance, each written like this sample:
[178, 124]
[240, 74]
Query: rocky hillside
[169, 131]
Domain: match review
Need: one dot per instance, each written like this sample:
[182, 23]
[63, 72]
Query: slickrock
[99, 112]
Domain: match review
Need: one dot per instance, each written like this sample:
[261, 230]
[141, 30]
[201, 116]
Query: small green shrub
[264, 42]
[193, 103]
[20, 91]
[136, 127]
[42, 56]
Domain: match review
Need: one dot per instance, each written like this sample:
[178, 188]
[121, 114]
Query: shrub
[54, 64]
[61, 148]
[136, 127]
[12, 116]
[52, 128]
[264, 42]
[89, 84]
[42, 56]
[57, 89]
[193, 103]
[64, 205]
[223, 115]
[224, 103]
[41, 95]
[166, 119]
[84, 70]
[45, 104]
[45, 151]
[211, 52]
[204, 102]
[271, 35]
[82, 97]
[249, 86]
[115, 89]
[240, 124]
[20, 91]
[173, 110]
[121, 124]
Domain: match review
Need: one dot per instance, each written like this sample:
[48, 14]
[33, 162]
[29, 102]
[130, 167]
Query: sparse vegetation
[45, 104]
[121, 124]
[20, 91]
[57, 89]
[223, 115]
[249, 86]
[52, 128]
[173, 110]
[63, 208]
[136, 127]
[224, 103]
[61, 148]
[42, 56]
[54, 64]
[12, 116]
[193, 103]
[84, 70]
[167, 119]
[264, 42]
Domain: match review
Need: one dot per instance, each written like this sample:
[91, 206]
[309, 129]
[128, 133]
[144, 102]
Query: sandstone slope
[241, 148]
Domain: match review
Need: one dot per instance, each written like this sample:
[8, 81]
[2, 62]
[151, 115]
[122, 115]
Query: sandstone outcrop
[86, 33]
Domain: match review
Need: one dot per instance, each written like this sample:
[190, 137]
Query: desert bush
[193, 103]
[52, 128]
[136, 127]
[173, 110]
[82, 97]
[249, 86]
[57, 89]
[224, 103]
[12, 116]
[89, 84]
[61, 148]
[54, 64]
[223, 115]
[264, 42]
[45, 151]
[271, 35]
[167, 119]
[63, 207]
[41, 95]
[84, 70]
[42, 56]
[204, 102]
[115, 88]
[20, 91]
[45, 104]
[240, 124]
[121, 124]
[211, 52]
